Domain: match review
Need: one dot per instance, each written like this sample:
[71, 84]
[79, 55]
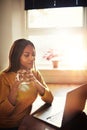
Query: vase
[55, 64]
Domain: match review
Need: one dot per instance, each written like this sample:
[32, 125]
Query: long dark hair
[15, 53]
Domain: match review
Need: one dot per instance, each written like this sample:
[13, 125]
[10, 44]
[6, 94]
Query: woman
[20, 84]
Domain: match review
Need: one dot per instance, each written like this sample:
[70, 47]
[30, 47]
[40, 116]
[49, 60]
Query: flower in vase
[51, 54]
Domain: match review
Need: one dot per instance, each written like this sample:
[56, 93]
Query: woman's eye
[26, 55]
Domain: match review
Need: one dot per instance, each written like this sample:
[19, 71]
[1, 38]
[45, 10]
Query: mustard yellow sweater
[11, 116]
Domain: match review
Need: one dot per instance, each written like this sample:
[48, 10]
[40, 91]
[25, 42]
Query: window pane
[60, 29]
[56, 17]
[70, 48]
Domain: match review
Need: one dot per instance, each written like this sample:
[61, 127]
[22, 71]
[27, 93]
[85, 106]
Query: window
[61, 29]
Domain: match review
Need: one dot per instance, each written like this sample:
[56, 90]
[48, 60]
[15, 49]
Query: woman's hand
[40, 87]
[13, 93]
[27, 76]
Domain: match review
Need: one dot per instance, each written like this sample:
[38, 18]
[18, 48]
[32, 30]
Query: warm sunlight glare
[73, 50]
[75, 59]
[61, 29]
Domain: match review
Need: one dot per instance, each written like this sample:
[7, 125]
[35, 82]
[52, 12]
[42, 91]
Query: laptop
[62, 109]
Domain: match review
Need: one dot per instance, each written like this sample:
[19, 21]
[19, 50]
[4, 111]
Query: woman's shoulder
[2, 73]
[5, 74]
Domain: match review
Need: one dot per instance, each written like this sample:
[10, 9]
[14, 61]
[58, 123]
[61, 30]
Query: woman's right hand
[13, 93]
[22, 76]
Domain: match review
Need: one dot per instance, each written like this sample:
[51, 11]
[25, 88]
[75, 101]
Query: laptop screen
[63, 109]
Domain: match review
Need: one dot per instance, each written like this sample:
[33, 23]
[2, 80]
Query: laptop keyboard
[55, 118]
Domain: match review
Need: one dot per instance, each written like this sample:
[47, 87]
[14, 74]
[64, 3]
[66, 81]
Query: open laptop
[63, 109]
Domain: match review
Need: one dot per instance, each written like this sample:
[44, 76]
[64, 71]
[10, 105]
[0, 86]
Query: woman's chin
[30, 67]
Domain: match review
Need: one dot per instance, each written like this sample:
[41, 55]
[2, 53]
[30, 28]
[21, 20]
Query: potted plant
[52, 55]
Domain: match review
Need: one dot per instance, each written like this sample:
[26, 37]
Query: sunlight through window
[61, 29]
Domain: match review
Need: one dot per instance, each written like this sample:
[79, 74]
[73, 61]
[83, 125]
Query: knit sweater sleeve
[5, 106]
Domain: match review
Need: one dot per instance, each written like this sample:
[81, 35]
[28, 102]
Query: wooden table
[31, 123]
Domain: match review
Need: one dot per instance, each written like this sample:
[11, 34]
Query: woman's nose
[32, 58]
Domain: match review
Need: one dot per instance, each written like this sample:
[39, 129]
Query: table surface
[31, 123]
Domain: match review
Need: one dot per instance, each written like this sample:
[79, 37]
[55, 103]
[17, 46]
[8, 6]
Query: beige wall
[12, 26]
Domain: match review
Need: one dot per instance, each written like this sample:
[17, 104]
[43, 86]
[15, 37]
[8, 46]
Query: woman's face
[27, 58]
